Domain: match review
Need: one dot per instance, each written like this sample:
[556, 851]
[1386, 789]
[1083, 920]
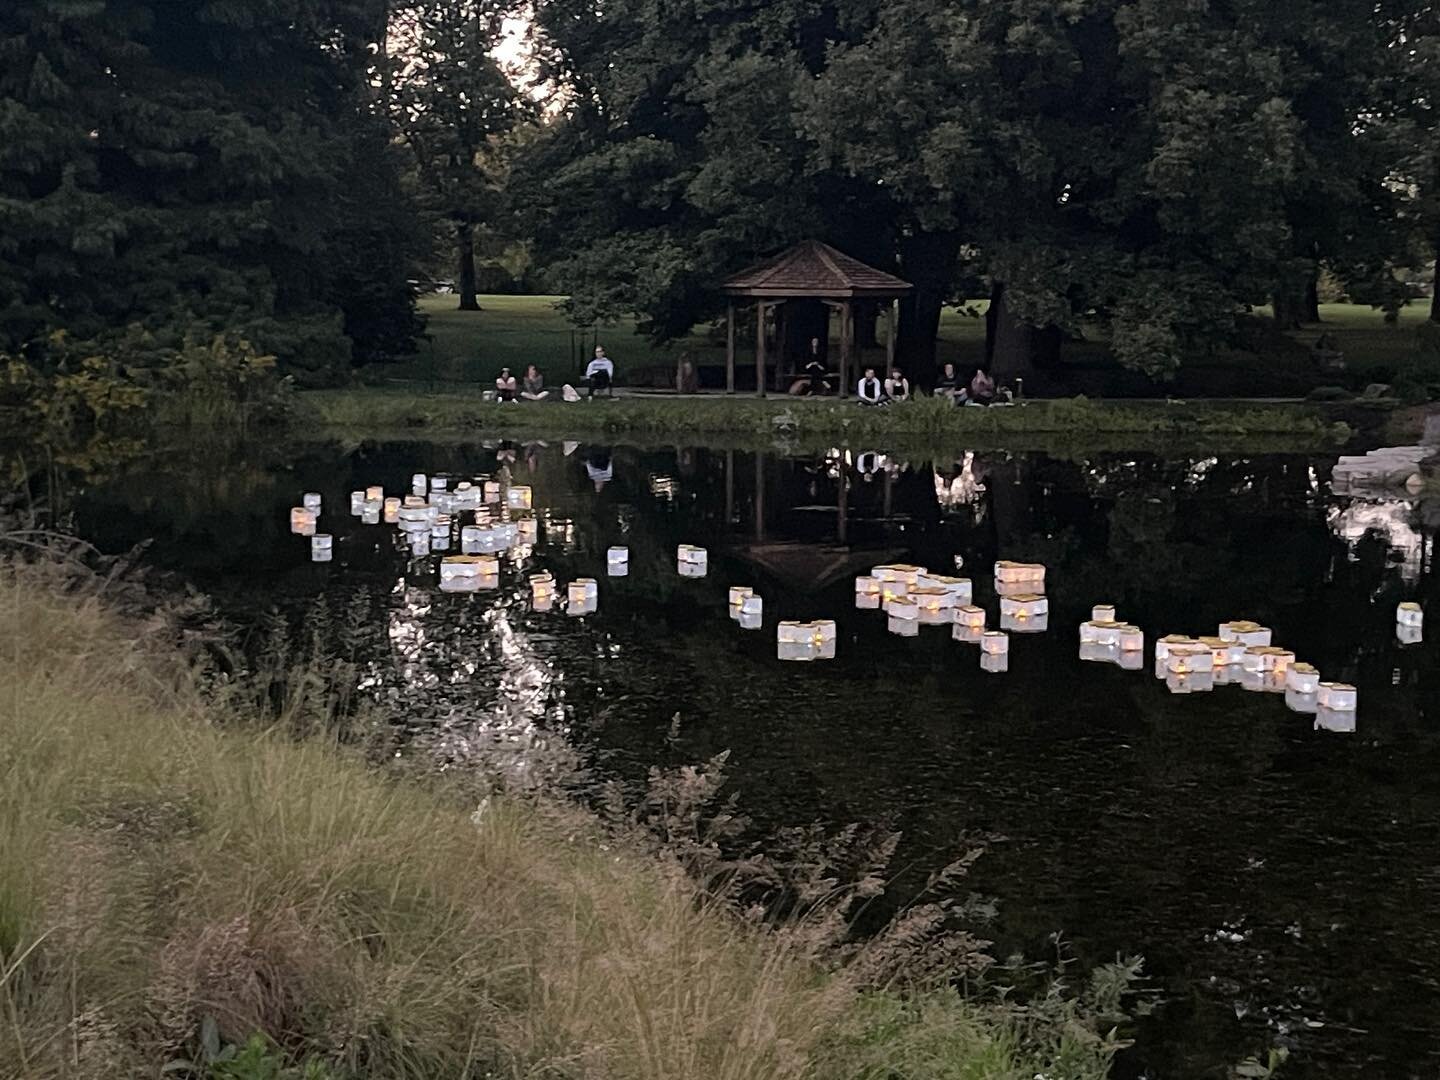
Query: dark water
[1280, 881]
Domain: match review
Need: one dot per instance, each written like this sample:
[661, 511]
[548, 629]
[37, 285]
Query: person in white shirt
[897, 387]
[600, 372]
[870, 392]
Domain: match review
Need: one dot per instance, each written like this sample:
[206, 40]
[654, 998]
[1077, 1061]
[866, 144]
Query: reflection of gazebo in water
[810, 272]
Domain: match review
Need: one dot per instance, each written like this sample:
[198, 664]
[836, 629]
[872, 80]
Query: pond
[1282, 882]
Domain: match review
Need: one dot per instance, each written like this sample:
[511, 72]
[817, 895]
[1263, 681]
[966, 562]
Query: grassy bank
[173, 879]
[925, 424]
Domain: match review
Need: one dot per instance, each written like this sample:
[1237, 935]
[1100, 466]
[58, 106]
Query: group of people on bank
[814, 380]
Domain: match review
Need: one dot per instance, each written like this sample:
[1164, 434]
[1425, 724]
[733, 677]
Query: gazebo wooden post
[760, 348]
[847, 335]
[781, 330]
[891, 318]
[730, 347]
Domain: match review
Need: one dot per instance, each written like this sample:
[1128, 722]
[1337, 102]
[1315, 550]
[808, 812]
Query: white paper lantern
[1017, 573]
[1342, 697]
[617, 561]
[994, 663]
[737, 596]
[302, 521]
[311, 501]
[867, 601]
[970, 616]
[1409, 635]
[995, 642]
[865, 585]
[753, 606]
[1024, 606]
[933, 600]
[1297, 701]
[322, 547]
[1189, 660]
[370, 515]
[902, 607]
[1171, 641]
[375, 493]
[749, 621]
[419, 483]
[969, 635]
[1410, 614]
[437, 483]
[1093, 652]
[899, 573]
[1302, 678]
[961, 589]
[357, 502]
[518, 498]
[903, 627]
[492, 491]
[583, 591]
[1102, 613]
[1131, 639]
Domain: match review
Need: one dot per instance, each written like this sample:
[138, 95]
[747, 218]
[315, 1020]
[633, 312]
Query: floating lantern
[1038, 625]
[412, 502]
[1131, 639]
[865, 585]
[374, 494]
[994, 663]
[934, 605]
[420, 543]
[443, 502]
[902, 573]
[752, 606]
[1409, 635]
[1102, 613]
[311, 501]
[902, 607]
[492, 491]
[960, 588]
[903, 627]
[1340, 721]
[1130, 659]
[468, 566]
[1342, 697]
[583, 591]
[867, 602]
[302, 521]
[1016, 573]
[971, 616]
[691, 561]
[440, 528]
[527, 530]
[370, 515]
[1189, 660]
[1245, 632]
[1228, 675]
[1275, 659]
[1226, 653]
[792, 631]
[542, 591]
[1410, 614]
[1299, 702]
[465, 497]
[969, 635]
[1024, 606]
[1094, 653]
[1201, 682]
[1302, 678]
[391, 508]
[617, 561]
[322, 547]
[1171, 641]
[995, 642]
[737, 597]
[518, 498]
[419, 483]
[472, 538]
[357, 502]
[438, 483]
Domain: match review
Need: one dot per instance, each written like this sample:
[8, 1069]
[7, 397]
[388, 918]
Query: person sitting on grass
[869, 390]
[982, 388]
[948, 385]
[815, 379]
[533, 388]
[687, 379]
[505, 387]
[600, 373]
[897, 387]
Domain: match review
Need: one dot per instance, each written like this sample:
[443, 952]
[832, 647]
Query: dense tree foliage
[201, 167]
[1148, 168]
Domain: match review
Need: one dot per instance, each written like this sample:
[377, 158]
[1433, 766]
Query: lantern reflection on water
[995, 663]
[1015, 624]
[902, 607]
[970, 635]
[322, 547]
[370, 514]
[933, 606]
[1409, 635]
[903, 627]
[1201, 682]
[750, 621]
[419, 483]
[1171, 641]
[1340, 721]
[1297, 701]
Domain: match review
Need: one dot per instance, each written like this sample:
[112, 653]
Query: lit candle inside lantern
[1410, 614]
[1102, 613]
[1024, 606]
[1017, 573]
[1131, 639]
[995, 642]
[865, 585]
[518, 498]
[1276, 660]
[357, 503]
[1130, 659]
[898, 574]
[302, 521]
[1342, 697]
[311, 501]
[583, 591]
[935, 600]
[1189, 659]
[1200, 682]
[970, 616]
[1302, 678]
[737, 597]
[969, 635]
[374, 494]
[322, 547]
[391, 508]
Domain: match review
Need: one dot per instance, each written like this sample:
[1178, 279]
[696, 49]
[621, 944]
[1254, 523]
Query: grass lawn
[471, 347]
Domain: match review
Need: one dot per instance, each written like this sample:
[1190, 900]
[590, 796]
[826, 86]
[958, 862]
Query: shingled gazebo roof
[815, 269]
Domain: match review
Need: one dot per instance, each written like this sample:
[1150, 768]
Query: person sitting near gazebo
[897, 386]
[982, 388]
[948, 385]
[869, 391]
[815, 378]
[600, 372]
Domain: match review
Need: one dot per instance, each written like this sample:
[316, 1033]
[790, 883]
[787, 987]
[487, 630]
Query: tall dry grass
[162, 863]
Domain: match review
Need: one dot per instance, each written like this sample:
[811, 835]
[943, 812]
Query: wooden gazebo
[811, 271]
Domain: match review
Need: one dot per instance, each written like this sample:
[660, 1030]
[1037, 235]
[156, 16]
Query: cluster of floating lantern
[1104, 639]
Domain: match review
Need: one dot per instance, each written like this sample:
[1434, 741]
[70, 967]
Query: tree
[449, 103]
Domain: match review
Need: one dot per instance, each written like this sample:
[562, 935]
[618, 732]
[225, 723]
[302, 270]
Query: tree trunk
[1288, 305]
[1435, 284]
[1312, 299]
[465, 275]
[927, 261]
[1016, 349]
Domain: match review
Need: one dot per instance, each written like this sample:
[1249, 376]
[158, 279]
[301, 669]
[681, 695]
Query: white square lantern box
[1409, 635]
[1410, 614]
[748, 621]
[437, 483]
[1016, 573]
[691, 561]
[902, 607]
[899, 574]
[970, 616]
[311, 501]
[357, 503]
[995, 642]
[542, 591]
[1302, 678]
[322, 547]
[1102, 613]
[1131, 639]
[1190, 660]
[933, 606]
[444, 502]
[370, 515]
[867, 602]
[375, 493]
[1172, 641]
[753, 608]
[617, 561]
[518, 498]
[468, 566]
[737, 597]
[902, 627]
[1038, 625]
[1092, 652]
[302, 521]
[867, 585]
[466, 497]
[1024, 606]
[1342, 697]
[492, 492]
[419, 483]
[527, 531]
[994, 663]
[391, 511]
[961, 589]
[1299, 702]
[413, 518]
